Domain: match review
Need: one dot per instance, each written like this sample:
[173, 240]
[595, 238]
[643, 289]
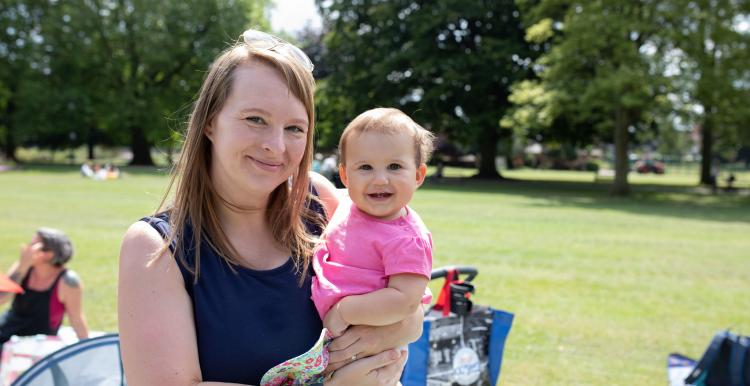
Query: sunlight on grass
[678, 177]
[603, 288]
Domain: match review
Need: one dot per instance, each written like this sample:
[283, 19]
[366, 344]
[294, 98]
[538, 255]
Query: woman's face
[38, 254]
[259, 136]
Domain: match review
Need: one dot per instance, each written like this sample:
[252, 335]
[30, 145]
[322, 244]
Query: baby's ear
[421, 174]
[342, 175]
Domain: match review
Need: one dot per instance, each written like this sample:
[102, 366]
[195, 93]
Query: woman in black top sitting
[50, 289]
[216, 287]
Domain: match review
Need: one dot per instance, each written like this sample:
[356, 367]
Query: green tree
[19, 38]
[447, 63]
[148, 58]
[708, 58]
[121, 69]
[596, 73]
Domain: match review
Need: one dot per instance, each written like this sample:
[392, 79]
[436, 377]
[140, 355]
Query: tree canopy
[596, 75]
[708, 57]
[447, 63]
[612, 69]
[108, 70]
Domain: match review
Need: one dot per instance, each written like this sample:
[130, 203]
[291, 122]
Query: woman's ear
[421, 174]
[208, 131]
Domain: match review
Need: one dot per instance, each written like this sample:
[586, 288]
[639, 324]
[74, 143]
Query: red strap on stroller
[444, 299]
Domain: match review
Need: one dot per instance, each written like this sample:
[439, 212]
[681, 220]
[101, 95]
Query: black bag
[726, 362]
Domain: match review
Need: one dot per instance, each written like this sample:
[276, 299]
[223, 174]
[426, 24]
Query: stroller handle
[460, 270]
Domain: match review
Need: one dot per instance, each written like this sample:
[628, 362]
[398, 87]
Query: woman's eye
[295, 129]
[256, 120]
[394, 167]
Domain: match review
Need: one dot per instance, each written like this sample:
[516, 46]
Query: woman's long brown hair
[195, 198]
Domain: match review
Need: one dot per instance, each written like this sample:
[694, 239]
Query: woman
[50, 289]
[222, 300]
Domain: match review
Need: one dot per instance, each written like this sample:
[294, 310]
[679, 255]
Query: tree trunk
[487, 153]
[620, 186]
[9, 148]
[90, 143]
[140, 147]
[90, 148]
[707, 144]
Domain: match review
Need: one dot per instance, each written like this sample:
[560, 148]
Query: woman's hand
[383, 369]
[27, 254]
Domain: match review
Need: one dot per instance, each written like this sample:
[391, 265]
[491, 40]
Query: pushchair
[462, 343]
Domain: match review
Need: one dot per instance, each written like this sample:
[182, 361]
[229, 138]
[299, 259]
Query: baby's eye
[256, 120]
[394, 167]
[365, 167]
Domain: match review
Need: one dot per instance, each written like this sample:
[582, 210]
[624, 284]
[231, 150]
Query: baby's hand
[334, 322]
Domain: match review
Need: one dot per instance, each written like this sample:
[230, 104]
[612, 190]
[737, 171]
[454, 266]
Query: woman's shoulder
[160, 222]
[71, 279]
[140, 245]
[326, 191]
[143, 231]
[145, 262]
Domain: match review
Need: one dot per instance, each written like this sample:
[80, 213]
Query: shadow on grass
[655, 200]
[58, 168]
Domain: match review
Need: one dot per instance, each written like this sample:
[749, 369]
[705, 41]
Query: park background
[545, 111]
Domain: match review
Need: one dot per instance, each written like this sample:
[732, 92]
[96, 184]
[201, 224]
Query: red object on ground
[7, 285]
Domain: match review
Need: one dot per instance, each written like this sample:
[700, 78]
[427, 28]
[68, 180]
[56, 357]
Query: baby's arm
[378, 308]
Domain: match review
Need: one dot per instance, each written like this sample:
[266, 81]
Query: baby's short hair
[389, 121]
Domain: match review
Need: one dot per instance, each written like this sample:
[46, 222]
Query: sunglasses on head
[260, 39]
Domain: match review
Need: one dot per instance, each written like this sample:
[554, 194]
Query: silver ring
[354, 357]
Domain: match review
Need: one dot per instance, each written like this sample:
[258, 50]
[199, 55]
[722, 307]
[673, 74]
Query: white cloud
[292, 15]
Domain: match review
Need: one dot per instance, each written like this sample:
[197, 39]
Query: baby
[375, 260]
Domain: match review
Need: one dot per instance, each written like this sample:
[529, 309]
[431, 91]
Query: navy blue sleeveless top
[246, 321]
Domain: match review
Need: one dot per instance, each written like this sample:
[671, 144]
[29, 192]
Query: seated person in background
[50, 289]
[113, 172]
[100, 172]
[86, 170]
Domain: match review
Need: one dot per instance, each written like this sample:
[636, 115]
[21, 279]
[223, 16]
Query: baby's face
[381, 173]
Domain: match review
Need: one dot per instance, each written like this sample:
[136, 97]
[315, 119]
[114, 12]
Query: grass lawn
[603, 288]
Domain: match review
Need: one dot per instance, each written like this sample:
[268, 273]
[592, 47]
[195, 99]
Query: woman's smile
[267, 165]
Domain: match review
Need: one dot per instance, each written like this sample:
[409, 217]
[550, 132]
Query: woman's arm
[16, 277]
[327, 192]
[71, 295]
[20, 268]
[155, 317]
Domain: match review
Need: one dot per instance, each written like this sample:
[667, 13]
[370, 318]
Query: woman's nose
[274, 141]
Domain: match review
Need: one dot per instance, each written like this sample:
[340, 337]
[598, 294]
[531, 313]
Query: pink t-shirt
[359, 252]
